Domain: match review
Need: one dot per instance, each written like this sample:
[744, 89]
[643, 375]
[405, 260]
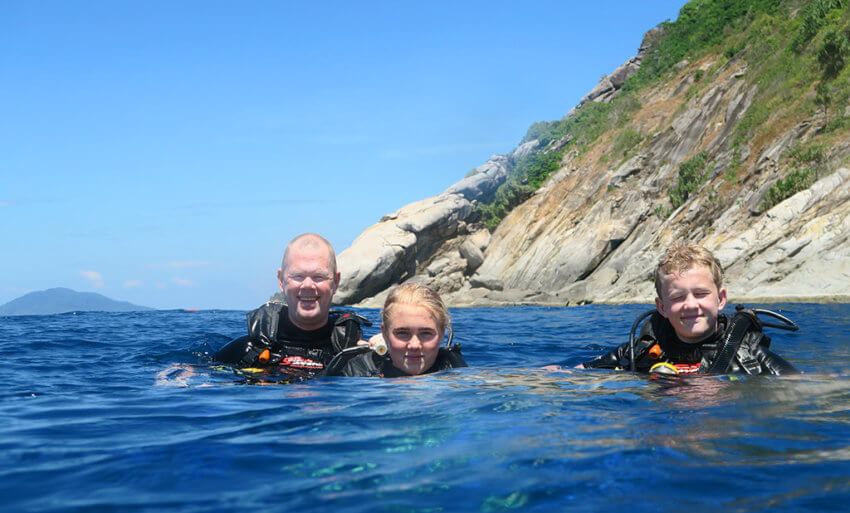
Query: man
[299, 337]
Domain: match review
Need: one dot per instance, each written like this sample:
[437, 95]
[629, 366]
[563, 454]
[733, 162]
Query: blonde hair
[683, 255]
[310, 241]
[418, 295]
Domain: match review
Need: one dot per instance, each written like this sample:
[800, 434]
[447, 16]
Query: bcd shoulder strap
[741, 323]
[347, 329]
[450, 357]
[263, 322]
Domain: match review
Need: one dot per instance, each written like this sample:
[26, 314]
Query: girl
[414, 322]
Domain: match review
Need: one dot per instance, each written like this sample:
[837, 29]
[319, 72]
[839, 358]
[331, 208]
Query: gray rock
[486, 283]
[609, 85]
[629, 168]
[388, 252]
[480, 238]
[594, 233]
[525, 149]
[447, 264]
[482, 184]
[474, 257]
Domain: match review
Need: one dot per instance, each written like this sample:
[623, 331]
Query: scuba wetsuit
[273, 340]
[364, 362]
[737, 347]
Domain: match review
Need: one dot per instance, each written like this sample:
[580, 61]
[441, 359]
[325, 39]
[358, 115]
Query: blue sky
[163, 153]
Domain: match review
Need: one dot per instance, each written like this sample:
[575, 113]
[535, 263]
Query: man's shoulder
[263, 321]
[272, 307]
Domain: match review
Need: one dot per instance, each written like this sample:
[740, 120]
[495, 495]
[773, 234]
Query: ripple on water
[116, 412]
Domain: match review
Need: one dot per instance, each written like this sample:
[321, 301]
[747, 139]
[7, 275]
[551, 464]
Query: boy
[688, 334]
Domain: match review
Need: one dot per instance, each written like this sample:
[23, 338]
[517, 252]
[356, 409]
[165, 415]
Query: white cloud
[183, 282]
[180, 264]
[94, 277]
[129, 284]
[5, 203]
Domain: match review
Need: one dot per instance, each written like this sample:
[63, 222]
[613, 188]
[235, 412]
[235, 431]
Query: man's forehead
[309, 257]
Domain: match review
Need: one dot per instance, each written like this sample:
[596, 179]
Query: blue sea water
[123, 412]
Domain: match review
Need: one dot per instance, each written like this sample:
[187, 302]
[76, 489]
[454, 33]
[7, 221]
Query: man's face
[308, 285]
[691, 302]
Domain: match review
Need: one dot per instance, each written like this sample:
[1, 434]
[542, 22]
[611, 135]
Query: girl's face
[414, 338]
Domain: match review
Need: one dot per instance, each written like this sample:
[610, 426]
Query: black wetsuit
[274, 341]
[369, 364]
[752, 356]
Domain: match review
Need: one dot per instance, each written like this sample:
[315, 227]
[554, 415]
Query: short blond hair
[310, 241]
[418, 295]
[683, 255]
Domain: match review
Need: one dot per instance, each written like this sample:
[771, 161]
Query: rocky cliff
[710, 152]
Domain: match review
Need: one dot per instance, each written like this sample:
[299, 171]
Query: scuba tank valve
[380, 347]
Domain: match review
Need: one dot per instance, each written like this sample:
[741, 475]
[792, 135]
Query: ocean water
[123, 412]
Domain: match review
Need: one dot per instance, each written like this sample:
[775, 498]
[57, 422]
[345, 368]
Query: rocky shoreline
[595, 229]
[533, 299]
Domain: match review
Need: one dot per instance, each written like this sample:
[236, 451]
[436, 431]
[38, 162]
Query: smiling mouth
[308, 302]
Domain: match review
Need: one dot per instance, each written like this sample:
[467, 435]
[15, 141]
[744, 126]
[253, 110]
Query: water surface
[123, 412]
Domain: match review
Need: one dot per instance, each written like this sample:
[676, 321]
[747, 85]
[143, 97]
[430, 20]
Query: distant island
[61, 300]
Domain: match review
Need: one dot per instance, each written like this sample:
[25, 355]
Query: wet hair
[683, 255]
[418, 295]
[310, 241]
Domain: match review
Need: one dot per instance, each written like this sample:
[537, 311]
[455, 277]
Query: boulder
[480, 239]
[472, 254]
[486, 283]
[609, 85]
[389, 251]
[481, 185]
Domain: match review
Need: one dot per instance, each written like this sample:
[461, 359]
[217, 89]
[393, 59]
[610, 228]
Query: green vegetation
[809, 161]
[832, 53]
[731, 173]
[796, 181]
[626, 141]
[794, 54]
[701, 25]
[591, 121]
[808, 153]
[733, 50]
[785, 56]
[831, 57]
[691, 176]
[526, 176]
[577, 132]
[816, 14]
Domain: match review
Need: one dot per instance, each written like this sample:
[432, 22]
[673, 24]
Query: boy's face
[690, 301]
